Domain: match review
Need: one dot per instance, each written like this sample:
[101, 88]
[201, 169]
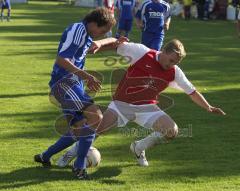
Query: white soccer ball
[93, 157]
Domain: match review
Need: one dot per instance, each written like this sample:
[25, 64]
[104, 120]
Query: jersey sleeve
[132, 51]
[181, 82]
[75, 38]
[167, 13]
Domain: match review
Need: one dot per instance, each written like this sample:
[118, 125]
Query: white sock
[73, 150]
[149, 141]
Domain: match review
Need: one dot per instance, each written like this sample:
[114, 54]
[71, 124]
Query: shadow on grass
[37, 175]
[24, 95]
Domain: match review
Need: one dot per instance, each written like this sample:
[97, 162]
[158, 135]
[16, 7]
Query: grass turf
[207, 160]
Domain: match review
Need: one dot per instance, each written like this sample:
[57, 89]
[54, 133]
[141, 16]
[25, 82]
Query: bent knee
[172, 132]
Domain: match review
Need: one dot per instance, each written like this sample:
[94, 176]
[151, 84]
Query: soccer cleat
[140, 155]
[65, 159]
[81, 174]
[38, 158]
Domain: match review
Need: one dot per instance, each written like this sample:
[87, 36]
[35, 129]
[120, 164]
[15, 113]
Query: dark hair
[102, 16]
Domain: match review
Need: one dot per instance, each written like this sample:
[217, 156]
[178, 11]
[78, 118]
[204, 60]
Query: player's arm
[93, 83]
[139, 23]
[181, 82]
[106, 44]
[199, 99]
[167, 23]
[167, 18]
[70, 46]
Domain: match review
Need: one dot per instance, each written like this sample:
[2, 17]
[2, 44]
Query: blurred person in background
[187, 9]
[109, 4]
[125, 14]
[238, 24]
[153, 18]
[5, 4]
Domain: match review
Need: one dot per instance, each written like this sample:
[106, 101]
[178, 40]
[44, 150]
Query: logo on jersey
[153, 14]
[127, 3]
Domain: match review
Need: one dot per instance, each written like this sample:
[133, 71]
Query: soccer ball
[93, 157]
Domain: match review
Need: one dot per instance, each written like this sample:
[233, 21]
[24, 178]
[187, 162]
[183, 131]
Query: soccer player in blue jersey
[153, 17]
[67, 86]
[125, 14]
[5, 4]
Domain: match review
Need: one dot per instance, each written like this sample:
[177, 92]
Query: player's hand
[216, 110]
[93, 83]
[121, 40]
[94, 47]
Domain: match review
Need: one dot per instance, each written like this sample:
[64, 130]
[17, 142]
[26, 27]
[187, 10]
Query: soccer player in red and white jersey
[150, 72]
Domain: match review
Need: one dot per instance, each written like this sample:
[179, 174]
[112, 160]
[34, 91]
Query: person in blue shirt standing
[80, 113]
[153, 17]
[125, 14]
[5, 4]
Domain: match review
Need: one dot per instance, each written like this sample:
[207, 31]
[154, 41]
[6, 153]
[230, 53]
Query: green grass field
[207, 160]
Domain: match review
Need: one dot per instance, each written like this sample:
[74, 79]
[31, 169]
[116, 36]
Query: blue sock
[85, 143]
[64, 142]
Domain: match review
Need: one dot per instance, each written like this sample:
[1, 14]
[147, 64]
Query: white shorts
[144, 115]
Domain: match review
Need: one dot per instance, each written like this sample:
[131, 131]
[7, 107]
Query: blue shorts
[152, 41]
[6, 6]
[70, 93]
[125, 24]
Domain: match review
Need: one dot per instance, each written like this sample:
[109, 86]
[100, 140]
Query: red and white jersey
[145, 78]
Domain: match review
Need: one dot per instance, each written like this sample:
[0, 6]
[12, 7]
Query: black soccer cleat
[38, 158]
[80, 174]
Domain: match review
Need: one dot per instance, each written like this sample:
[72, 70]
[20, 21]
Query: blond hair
[176, 46]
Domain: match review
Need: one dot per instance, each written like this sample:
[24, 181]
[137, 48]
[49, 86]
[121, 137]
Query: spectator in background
[125, 14]
[187, 8]
[153, 18]
[5, 4]
[238, 24]
[109, 4]
[98, 3]
[200, 8]
[206, 10]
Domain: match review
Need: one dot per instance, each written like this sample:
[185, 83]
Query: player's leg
[164, 129]
[72, 98]
[128, 27]
[86, 135]
[9, 14]
[120, 28]
[238, 24]
[109, 120]
[2, 9]
[64, 141]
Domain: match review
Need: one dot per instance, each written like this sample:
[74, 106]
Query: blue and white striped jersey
[153, 14]
[126, 8]
[73, 45]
